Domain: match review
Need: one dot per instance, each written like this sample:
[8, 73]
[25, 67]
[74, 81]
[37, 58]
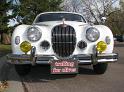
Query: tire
[100, 68]
[23, 70]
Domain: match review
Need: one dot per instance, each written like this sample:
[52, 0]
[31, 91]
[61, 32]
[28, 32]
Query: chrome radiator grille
[63, 40]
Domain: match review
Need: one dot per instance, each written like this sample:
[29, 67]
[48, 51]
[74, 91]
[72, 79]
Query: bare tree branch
[93, 10]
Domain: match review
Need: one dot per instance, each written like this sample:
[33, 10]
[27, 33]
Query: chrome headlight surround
[92, 34]
[33, 34]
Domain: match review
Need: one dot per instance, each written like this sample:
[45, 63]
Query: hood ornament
[63, 23]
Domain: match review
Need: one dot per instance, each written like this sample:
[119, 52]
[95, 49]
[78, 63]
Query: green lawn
[4, 49]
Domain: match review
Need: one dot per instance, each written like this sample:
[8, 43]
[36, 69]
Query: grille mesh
[63, 40]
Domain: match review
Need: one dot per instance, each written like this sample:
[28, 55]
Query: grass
[4, 49]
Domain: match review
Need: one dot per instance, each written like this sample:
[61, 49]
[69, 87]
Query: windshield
[59, 16]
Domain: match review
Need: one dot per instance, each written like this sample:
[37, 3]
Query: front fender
[19, 31]
[104, 32]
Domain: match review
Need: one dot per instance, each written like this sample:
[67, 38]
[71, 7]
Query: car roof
[59, 12]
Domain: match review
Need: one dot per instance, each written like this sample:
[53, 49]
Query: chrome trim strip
[107, 60]
[44, 59]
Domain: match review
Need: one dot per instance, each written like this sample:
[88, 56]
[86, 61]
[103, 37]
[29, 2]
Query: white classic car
[64, 40]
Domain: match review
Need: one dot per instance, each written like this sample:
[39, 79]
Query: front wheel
[22, 70]
[100, 68]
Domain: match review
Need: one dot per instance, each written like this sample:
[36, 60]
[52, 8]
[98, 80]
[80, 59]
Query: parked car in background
[64, 40]
[120, 38]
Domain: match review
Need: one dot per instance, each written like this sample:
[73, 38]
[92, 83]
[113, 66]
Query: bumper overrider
[46, 59]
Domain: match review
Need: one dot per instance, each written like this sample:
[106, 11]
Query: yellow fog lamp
[25, 46]
[101, 46]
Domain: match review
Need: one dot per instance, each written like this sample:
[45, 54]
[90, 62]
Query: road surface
[39, 79]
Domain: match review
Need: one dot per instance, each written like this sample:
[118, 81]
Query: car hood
[54, 23]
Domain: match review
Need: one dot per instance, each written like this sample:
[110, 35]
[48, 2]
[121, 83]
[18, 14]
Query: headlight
[45, 45]
[82, 44]
[25, 46]
[101, 46]
[33, 34]
[92, 34]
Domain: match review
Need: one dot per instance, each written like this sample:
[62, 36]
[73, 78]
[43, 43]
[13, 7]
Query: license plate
[64, 67]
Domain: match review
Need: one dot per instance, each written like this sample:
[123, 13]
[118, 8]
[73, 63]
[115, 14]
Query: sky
[116, 4]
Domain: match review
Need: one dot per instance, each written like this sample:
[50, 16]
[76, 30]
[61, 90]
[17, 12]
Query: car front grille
[63, 40]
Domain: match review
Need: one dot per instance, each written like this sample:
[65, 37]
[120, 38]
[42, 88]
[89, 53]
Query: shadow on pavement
[86, 71]
[39, 73]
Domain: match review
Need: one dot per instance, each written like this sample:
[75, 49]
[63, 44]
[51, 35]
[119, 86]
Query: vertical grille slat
[69, 40]
[63, 40]
[66, 53]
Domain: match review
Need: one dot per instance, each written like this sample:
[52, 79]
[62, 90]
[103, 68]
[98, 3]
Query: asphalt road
[40, 80]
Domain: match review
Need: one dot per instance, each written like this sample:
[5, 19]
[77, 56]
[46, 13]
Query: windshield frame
[83, 19]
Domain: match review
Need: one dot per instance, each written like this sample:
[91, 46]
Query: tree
[72, 5]
[116, 20]
[4, 19]
[93, 10]
[122, 5]
[28, 9]
[23, 11]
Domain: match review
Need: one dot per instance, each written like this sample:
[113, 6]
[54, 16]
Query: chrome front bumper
[45, 59]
